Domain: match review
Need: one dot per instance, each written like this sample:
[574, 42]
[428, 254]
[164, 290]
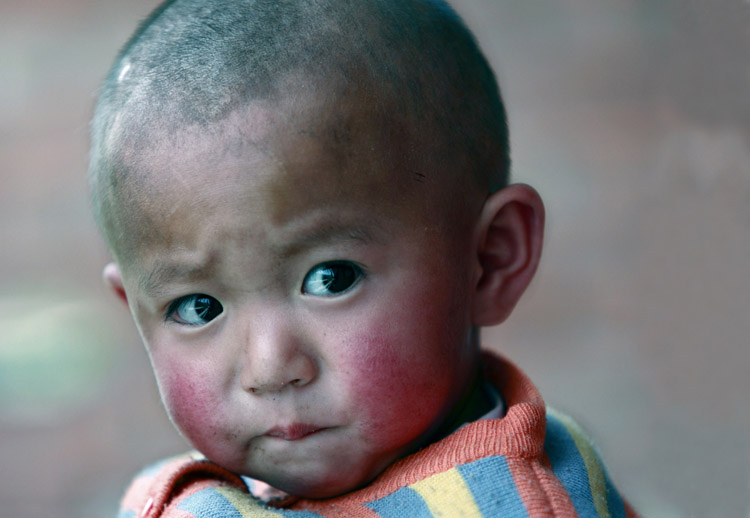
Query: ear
[113, 280]
[508, 247]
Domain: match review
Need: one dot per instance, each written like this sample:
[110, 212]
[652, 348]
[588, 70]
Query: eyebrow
[164, 272]
[320, 235]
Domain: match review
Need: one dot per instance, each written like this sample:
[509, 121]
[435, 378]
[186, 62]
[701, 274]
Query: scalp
[193, 63]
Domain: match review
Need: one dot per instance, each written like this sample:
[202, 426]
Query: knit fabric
[533, 462]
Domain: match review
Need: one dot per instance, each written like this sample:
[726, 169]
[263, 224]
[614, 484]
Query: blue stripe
[614, 500]
[208, 503]
[568, 466]
[491, 483]
[127, 513]
[403, 503]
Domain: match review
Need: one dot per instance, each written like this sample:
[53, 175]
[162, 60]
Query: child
[308, 210]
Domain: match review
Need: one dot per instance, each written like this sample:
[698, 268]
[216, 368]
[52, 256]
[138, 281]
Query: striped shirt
[532, 462]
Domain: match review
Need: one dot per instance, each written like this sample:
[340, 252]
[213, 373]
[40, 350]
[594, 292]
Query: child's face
[306, 316]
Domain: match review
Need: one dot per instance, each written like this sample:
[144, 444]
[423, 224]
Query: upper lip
[293, 432]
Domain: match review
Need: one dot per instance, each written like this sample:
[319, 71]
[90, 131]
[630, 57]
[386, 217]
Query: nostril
[256, 390]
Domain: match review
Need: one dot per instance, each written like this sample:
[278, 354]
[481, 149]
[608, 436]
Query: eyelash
[321, 278]
[318, 282]
[209, 308]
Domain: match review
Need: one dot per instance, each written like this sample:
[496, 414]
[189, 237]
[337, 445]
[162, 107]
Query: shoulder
[576, 463]
[550, 457]
[188, 486]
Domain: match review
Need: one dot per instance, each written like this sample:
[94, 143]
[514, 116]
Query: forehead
[287, 161]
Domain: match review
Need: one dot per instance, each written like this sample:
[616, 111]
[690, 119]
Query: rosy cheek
[191, 404]
[389, 385]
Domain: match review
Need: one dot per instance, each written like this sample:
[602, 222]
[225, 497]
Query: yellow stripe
[447, 495]
[247, 506]
[590, 461]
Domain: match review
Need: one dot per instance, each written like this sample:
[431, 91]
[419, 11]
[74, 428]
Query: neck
[475, 403]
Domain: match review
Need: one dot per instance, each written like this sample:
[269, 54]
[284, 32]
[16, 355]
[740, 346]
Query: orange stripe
[629, 511]
[353, 511]
[560, 500]
[540, 490]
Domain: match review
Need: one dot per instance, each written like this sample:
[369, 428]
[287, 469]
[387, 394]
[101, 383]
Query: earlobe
[113, 280]
[508, 248]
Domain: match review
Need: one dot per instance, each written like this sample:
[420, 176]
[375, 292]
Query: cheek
[190, 402]
[398, 377]
[410, 356]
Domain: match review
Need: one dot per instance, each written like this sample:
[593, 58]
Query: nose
[274, 357]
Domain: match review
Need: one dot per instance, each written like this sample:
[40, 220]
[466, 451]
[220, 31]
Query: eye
[331, 279]
[194, 310]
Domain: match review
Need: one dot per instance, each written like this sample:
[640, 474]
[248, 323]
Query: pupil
[201, 307]
[205, 309]
[338, 278]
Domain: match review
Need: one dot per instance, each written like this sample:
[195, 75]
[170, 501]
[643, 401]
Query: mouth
[293, 432]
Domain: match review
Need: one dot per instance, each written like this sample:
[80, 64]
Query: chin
[322, 483]
[317, 487]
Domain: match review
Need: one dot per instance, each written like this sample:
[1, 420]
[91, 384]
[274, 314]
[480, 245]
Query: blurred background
[631, 117]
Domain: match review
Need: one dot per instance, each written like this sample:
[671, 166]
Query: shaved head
[411, 66]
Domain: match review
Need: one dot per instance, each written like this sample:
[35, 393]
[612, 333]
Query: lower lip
[294, 432]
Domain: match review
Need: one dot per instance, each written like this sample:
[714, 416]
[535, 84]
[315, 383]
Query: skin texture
[316, 395]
